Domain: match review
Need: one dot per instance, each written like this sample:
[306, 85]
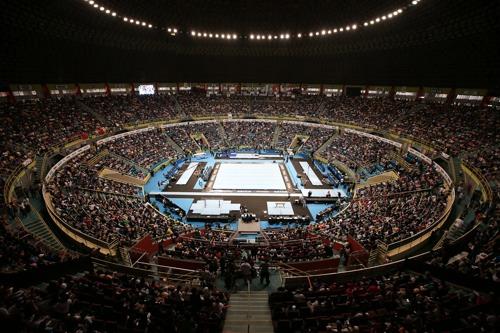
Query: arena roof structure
[402, 42]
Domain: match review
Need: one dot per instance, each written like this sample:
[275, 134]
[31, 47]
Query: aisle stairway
[248, 312]
[34, 224]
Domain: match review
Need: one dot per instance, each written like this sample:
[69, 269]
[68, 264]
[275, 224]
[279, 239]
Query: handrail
[488, 193]
[8, 188]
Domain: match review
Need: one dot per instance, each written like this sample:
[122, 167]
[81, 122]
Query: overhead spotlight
[223, 36]
[175, 30]
[125, 19]
[199, 34]
[299, 35]
[282, 36]
[216, 35]
[108, 11]
[365, 24]
[101, 8]
[258, 36]
[137, 22]
[193, 33]
[317, 33]
[150, 25]
[377, 19]
[204, 34]
[323, 32]
[96, 5]
[287, 36]
[372, 22]
[329, 32]
[91, 2]
[210, 35]
[143, 24]
[169, 29]
[252, 36]
[400, 10]
[347, 28]
[131, 20]
[414, 2]
[113, 14]
[234, 36]
[341, 29]
[275, 37]
[311, 34]
[334, 31]
[395, 13]
[354, 26]
[390, 15]
[384, 17]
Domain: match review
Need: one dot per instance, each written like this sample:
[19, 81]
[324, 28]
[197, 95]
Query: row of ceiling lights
[258, 37]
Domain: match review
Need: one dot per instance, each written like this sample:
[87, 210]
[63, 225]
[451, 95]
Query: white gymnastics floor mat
[249, 176]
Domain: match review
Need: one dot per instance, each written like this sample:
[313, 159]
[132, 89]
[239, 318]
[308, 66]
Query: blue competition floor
[185, 203]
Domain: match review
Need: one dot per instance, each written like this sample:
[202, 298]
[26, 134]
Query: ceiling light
[223, 36]
[91, 2]
[329, 32]
[287, 36]
[377, 19]
[108, 11]
[96, 5]
[384, 17]
[150, 25]
[341, 29]
[323, 32]
[365, 24]
[199, 34]
[143, 23]
[204, 34]
[390, 15]
[216, 35]
[258, 36]
[354, 26]
[125, 19]
[113, 14]
[372, 22]
[252, 36]
[137, 22]
[299, 35]
[310, 34]
[210, 35]
[334, 31]
[234, 36]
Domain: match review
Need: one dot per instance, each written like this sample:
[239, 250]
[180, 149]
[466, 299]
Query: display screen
[146, 89]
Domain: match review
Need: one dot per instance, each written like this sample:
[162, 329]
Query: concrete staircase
[222, 133]
[276, 135]
[325, 144]
[94, 113]
[96, 158]
[174, 145]
[248, 312]
[34, 224]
